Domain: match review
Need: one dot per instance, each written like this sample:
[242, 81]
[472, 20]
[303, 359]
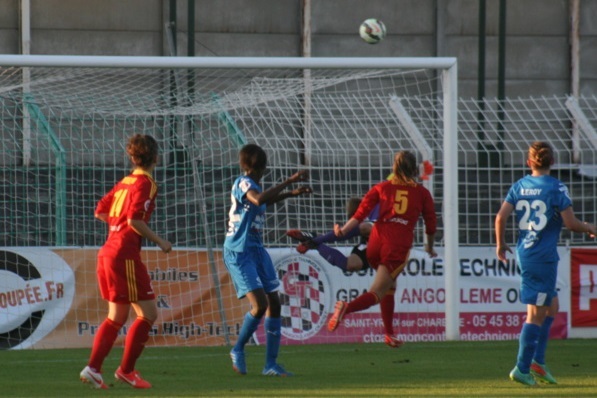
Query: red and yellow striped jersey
[131, 198]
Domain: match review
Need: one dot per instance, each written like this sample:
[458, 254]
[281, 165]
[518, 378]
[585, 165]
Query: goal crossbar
[224, 62]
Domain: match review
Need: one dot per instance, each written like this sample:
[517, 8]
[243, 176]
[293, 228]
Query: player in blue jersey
[541, 204]
[250, 266]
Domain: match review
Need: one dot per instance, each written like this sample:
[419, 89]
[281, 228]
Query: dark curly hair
[143, 150]
[252, 158]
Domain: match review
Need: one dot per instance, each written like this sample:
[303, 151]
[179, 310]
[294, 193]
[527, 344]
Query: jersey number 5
[401, 202]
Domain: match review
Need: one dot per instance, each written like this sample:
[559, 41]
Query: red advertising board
[583, 291]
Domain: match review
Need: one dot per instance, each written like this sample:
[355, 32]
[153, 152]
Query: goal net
[64, 122]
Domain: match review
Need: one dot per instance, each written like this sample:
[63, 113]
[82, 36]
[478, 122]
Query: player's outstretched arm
[576, 225]
[346, 228]
[304, 190]
[275, 194]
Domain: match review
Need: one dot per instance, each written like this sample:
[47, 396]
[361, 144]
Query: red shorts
[123, 280]
[386, 253]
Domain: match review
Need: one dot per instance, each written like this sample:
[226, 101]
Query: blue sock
[333, 256]
[542, 340]
[527, 346]
[249, 327]
[331, 236]
[272, 340]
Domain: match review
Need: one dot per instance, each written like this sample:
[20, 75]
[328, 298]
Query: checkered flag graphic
[302, 297]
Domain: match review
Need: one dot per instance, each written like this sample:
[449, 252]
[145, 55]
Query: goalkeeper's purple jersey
[538, 202]
[246, 220]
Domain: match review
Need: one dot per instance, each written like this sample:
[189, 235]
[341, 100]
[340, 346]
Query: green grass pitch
[454, 369]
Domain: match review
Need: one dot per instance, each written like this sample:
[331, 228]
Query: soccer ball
[372, 30]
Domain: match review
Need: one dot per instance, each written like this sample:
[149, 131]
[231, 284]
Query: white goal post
[65, 119]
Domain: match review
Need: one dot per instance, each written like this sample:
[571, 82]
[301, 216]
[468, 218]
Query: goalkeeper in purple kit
[357, 259]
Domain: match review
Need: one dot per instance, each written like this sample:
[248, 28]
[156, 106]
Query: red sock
[102, 343]
[362, 302]
[134, 344]
[387, 312]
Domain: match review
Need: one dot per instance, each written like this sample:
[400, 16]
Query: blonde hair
[540, 155]
[405, 168]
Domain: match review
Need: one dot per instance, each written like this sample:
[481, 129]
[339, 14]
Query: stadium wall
[537, 34]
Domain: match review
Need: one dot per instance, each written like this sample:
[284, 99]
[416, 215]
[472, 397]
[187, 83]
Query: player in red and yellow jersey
[123, 279]
[401, 202]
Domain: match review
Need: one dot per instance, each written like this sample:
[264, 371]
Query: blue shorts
[538, 286]
[250, 270]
